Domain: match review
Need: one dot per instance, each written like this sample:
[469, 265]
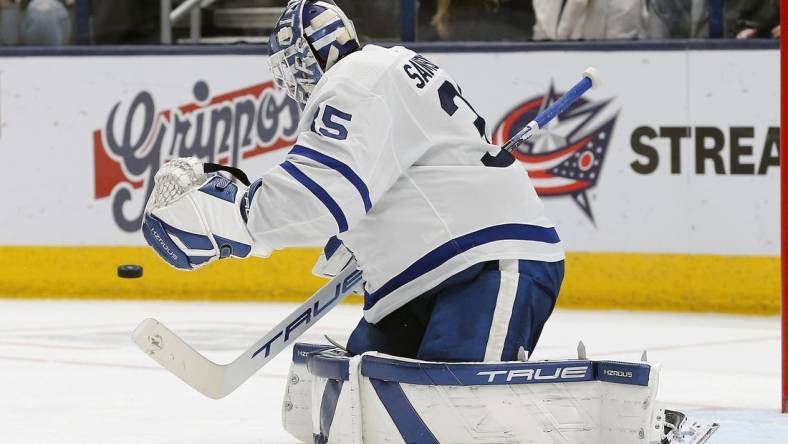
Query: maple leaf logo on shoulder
[565, 158]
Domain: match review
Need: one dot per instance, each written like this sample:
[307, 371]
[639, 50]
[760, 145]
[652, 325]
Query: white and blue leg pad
[376, 398]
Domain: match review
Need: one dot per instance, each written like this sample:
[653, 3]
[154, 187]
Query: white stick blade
[172, 353]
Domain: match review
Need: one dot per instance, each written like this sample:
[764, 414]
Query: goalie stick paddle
[219, 380]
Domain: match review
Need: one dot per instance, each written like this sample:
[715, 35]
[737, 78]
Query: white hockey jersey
[389, 159]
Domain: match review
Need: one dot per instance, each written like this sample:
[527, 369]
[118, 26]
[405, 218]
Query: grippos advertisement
[225, 128]
[677, 152]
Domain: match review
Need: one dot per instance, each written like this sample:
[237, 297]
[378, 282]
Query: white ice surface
[70, 374]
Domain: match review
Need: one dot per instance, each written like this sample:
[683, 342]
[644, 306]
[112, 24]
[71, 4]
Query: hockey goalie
[392, 171]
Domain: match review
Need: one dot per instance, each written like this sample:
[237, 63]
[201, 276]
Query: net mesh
[176, 178]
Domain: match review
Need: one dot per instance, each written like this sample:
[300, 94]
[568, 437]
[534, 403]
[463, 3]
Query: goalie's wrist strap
[236, 172]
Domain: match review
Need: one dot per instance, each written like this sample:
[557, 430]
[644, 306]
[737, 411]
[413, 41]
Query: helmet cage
[296, 70]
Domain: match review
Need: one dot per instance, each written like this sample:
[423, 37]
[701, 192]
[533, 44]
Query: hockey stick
[216, 380]
[590, 80]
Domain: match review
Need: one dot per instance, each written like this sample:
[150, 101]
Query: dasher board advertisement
[677, 151]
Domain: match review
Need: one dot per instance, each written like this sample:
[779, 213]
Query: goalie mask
[309, 38]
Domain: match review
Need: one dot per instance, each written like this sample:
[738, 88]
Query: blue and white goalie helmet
[309, 38]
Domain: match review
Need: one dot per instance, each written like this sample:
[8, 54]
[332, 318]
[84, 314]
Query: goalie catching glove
[193, 217]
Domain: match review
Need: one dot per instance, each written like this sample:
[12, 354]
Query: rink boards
[664, 282]
[678, 208]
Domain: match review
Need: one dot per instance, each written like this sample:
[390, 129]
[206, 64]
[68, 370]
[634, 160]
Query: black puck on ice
[129, 271]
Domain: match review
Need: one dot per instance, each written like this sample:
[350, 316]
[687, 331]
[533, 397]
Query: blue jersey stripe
[340, 167]
[319, 192]
[454, 247]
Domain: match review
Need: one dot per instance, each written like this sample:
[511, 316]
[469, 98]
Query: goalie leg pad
[297, 403]
[376, 398]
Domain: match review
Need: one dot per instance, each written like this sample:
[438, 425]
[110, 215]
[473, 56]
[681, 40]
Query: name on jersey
[421, 70]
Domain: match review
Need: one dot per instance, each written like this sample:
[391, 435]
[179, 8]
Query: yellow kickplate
[665, 282]
[672, 282]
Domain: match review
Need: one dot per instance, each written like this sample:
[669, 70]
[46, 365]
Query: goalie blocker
[375, 398]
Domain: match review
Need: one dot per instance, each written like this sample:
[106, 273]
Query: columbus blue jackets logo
[566, 157]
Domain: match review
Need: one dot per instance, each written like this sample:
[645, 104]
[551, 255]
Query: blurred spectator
[9, 22]
[589, 19]
[373, 19]
[45, 23]
[673, 19]
[126, 22]
[748, 19]
[35, 22]
[481, 20]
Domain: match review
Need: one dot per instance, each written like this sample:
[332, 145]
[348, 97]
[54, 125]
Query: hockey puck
[129, 271]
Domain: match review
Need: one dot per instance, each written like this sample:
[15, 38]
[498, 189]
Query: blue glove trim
[246, 202]
[191, 240]
[221, 188]
[157, 238]
[237, 249]
[332, 246]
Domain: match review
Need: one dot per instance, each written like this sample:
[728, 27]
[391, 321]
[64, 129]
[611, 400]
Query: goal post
[784, 200]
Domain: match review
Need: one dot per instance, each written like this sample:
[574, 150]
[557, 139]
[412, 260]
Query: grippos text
[716, 150]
